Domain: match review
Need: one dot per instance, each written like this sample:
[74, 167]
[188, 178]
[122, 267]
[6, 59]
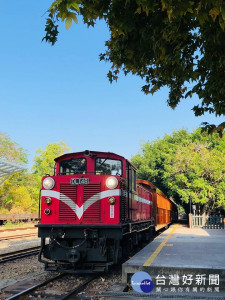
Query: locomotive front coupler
[92, 233]
[55, 241]
[58, 233]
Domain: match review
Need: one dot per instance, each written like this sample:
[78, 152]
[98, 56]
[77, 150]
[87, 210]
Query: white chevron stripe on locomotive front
[99, 196]
[80, 210]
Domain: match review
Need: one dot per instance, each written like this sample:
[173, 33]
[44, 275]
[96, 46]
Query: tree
[186, 165]
[198, 172]
[14, 193]
[179, 44]
[21, 198]
[20, 192]
[11, 151]
[44, 161]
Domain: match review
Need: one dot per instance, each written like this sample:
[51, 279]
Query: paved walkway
[182, 258]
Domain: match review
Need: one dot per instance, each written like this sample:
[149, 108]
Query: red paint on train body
[165, 210]
[84, 198]
[93, 211]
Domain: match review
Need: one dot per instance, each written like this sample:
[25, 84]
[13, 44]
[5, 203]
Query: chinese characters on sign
[188, 283]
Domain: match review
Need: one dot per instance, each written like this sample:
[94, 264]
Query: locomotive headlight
[48, 201]
[112, 200]
[111, 182]
[48, 183]
[47, 211]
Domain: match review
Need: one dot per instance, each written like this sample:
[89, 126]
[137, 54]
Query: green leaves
[223, 11]
[11, 151]
[15, 193]
[64, 10]
[20, 191]
[186, 164]
[158, 41]
[211, 128]
[69, 17]
[68, 23]
[51, 32]
[213, 13]
[44, 161]
[74, 17]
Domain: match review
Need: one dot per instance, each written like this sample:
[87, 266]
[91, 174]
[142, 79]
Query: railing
[215, 222]
[208, 222]
[198, 221]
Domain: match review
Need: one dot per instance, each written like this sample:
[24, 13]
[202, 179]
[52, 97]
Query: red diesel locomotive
[93, 211]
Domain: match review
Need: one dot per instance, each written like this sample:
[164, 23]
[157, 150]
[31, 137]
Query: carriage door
[131, 189]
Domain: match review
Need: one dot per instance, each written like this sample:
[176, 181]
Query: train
[93, 212]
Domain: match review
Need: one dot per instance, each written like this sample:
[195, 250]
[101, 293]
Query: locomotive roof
[92, 152]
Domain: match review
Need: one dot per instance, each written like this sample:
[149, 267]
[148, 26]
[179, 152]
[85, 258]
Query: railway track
[18, 254]
[17, 236]
[15, 229]
[80, 287]
[30, 291]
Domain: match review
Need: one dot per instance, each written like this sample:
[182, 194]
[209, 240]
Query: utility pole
[190, 215]
[190, 204]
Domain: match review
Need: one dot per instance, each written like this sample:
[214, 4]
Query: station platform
[182, 259]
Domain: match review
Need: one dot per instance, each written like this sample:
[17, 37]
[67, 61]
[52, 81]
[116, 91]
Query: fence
[208, 222]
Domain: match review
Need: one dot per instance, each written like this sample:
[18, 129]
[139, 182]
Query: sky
[48, 94]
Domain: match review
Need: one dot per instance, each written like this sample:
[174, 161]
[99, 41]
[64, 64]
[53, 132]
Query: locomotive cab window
[73, 166]
[108, 166]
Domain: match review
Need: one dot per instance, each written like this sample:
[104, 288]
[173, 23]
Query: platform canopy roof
[7, 169]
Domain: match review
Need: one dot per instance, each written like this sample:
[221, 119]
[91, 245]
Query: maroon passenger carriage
[92, 212]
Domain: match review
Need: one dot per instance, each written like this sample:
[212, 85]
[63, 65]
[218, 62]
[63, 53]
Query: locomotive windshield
[108, 166]
[73, 166]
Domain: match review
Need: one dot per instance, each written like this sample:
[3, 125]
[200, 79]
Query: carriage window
[73, 166]
[108, 166]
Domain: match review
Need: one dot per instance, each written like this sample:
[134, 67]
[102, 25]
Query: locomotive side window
[73, 166]
[132, 179]
[108, 166]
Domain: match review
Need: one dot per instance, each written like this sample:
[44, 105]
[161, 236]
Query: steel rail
[80, 287]
[19, 254]
[34, 287]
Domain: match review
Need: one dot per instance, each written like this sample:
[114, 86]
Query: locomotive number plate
[79, 181]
